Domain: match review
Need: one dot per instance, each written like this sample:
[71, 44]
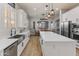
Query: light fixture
[46, 7]
[52, 11]
[49, 15]
[49, 11]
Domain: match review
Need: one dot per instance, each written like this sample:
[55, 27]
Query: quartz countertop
[4, 43]
[51, 36]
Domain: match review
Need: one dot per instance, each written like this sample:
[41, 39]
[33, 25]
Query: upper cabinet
[22, 18]
[8, 15]
[71, 15]
[12, 17]
[7, 18]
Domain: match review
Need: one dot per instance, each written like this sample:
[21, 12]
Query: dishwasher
[11, 50]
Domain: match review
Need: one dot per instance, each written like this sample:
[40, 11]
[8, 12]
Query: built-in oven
[11, 50]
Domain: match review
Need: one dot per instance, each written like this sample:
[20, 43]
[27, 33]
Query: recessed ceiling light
[57, 9]
[46, 9]
[34, 8]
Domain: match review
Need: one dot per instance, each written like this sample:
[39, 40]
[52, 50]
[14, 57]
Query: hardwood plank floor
[33, 47]
[77, 51]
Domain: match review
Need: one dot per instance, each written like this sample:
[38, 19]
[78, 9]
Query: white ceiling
[36, 9]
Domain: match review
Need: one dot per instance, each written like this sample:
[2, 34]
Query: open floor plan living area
[39, 29]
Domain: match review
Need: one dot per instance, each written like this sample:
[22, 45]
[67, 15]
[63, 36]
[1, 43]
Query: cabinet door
[1, 53]
[13, 17]
[25, 41]
[22, 19]
[19, 49]
[19, 18]
[6, 15]
[65, 49]
[25, 20]
[9, 15]
[49, 49]
[5, 21]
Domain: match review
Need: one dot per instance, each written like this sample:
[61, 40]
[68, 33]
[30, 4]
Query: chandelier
[49, 11]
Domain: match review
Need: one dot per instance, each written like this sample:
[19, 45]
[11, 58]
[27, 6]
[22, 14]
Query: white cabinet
[58, 49]
[7, 16]
[56, 45]
[1, 53]
[13, 17]
[25, 43]
[5, 25]
[22, 18]
[21, 46]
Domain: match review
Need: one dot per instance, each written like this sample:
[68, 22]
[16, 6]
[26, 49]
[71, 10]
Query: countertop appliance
[66, 29]
[11, 50]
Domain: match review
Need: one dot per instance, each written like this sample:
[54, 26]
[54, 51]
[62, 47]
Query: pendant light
[52, 12]
[49, 15]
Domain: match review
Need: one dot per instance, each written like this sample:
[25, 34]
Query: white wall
[71, 15]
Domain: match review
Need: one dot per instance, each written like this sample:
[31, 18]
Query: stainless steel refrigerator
[66, 29]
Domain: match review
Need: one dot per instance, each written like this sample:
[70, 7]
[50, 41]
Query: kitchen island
[53, 44]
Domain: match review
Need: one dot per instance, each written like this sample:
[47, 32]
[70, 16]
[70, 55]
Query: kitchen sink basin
[16, 36]
[19, 37]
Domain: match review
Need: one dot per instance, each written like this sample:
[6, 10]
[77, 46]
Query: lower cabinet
[58, 49]
[25, 42]
[21, 46]
[1, 52]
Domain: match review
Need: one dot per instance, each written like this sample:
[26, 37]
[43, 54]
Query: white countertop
[51, 36]
[4, 43]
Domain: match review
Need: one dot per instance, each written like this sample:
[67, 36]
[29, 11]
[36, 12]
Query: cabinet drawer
[1, 53]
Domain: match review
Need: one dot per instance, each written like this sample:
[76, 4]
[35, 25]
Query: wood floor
[77, 51]
[33, 47]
